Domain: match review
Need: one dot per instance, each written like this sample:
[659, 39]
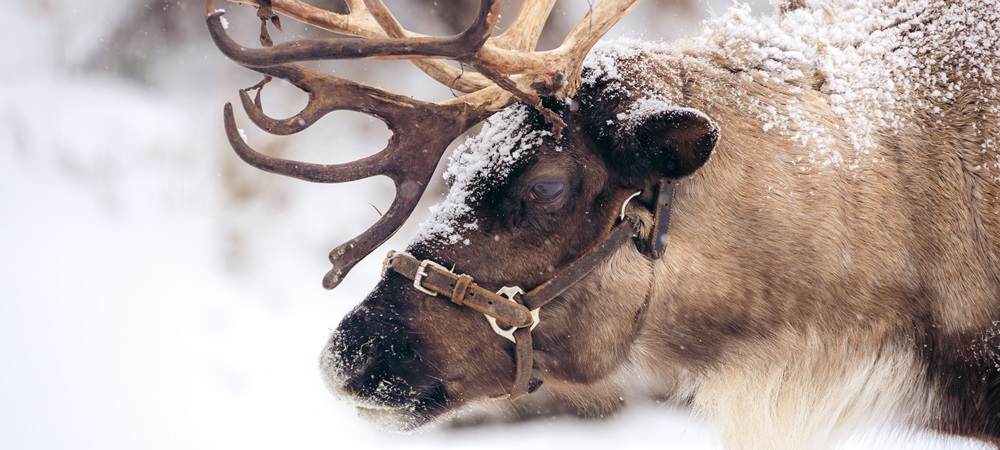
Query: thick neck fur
[832, 266]
[801, 298]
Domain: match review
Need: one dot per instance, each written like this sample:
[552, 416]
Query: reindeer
[789, 224]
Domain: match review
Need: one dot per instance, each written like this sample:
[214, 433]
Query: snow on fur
[480, 162]
[880, 62]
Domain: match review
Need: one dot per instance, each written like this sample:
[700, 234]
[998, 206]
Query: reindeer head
[536, 266]
[523, 208]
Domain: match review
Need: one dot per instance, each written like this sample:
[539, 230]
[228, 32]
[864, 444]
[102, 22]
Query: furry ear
[669, 143]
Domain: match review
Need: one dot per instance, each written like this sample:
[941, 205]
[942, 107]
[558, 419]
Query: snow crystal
[481, 162]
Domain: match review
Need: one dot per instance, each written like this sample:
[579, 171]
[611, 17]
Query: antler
[507, 72]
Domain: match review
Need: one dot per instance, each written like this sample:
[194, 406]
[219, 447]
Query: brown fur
[795, 303]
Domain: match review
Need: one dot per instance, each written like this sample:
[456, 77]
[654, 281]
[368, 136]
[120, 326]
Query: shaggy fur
[823, 273]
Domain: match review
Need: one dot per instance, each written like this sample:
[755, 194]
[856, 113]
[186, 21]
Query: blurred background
[156, 292]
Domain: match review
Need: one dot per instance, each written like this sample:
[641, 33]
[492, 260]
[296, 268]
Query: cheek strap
[520, 310]
[656, 242]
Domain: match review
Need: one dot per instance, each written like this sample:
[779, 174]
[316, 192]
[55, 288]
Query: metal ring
[509, 292]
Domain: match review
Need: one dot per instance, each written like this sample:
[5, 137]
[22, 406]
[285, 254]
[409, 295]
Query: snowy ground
[156, 293]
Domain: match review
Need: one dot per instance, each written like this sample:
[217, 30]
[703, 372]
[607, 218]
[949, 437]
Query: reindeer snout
[351, 354]
[369, 359]
[349, 359]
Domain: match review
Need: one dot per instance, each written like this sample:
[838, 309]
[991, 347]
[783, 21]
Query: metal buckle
[509, 292]
[422, 273]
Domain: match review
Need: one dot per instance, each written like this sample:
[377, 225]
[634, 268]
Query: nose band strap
[434, 279]
[461, 289]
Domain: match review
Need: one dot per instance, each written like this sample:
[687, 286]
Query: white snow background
[156, 292]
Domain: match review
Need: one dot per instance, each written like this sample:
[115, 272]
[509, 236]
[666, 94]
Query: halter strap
[521, 311]
[460, 289]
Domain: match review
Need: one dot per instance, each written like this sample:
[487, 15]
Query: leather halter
[519, 310]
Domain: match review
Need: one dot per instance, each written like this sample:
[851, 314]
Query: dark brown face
[522, 206]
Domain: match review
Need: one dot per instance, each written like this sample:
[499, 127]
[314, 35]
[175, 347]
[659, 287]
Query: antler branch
[507, 72]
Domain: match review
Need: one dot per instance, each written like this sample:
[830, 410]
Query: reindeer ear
[677, 141]
[668, 143]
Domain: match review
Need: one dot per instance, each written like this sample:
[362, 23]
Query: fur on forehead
[483, 163]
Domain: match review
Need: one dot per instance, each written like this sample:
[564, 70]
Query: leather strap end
[657, 242]
[387, 262]
[524, 364]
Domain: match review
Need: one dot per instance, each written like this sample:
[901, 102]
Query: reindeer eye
[546, 191]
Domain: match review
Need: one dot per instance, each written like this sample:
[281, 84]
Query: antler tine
[328, 93]
[388, 22]
[308, 116]
[352, 96]
[588, 31]
[523, 34]
[409, 189]
[350, 253]
[359, 22]
[316, 173]
[568, 57]
[460, 46]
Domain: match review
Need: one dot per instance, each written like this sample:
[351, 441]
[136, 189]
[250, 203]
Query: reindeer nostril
[349, 355]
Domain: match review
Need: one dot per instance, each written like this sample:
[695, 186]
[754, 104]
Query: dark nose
[372, 356]
[353, 351]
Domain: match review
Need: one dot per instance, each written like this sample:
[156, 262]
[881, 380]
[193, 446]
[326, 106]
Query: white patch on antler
[482, 161]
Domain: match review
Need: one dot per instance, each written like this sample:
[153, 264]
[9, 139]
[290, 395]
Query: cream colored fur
[815, 395]
[788, 296]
